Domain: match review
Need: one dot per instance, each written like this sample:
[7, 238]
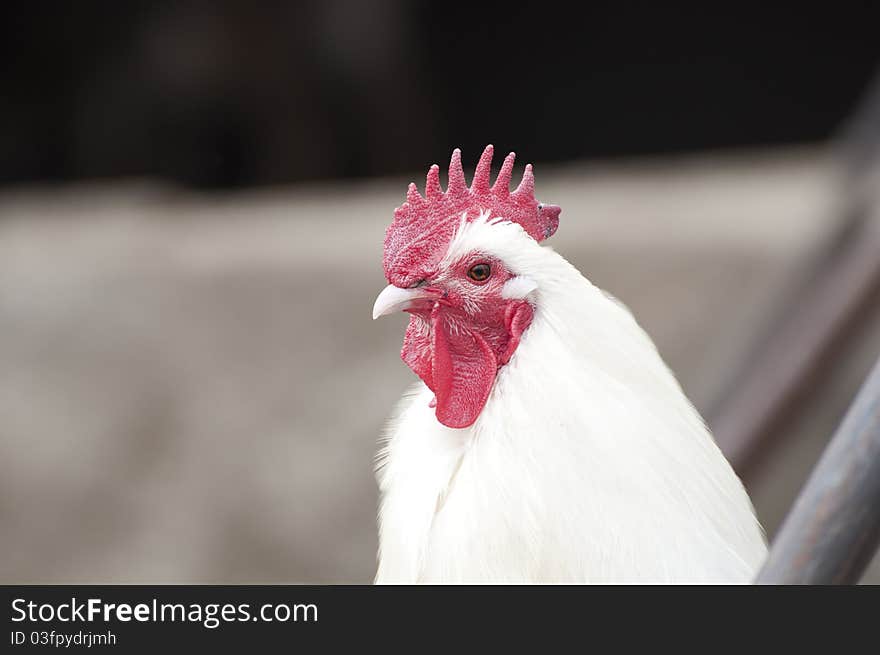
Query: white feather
[587, 465]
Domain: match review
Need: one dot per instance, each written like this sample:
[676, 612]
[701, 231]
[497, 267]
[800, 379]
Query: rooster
[547, 441]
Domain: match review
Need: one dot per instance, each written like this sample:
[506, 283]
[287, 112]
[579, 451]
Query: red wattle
[458, 363]
[463, 372]
[416, 351]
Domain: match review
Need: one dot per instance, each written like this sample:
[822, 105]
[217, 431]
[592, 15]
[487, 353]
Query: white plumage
[587, 464]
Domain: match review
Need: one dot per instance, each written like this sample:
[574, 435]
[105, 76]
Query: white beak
[395, 299]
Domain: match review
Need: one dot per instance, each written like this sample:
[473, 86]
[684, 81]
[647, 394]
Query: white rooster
[547, 441]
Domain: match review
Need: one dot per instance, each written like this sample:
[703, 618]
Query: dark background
[233, 94]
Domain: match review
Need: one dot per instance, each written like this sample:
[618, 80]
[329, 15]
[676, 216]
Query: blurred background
[193, 197]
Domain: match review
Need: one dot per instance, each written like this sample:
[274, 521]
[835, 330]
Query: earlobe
[517, 288]
[517, 318]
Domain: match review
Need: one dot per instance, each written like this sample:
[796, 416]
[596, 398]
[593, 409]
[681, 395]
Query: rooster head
[468, 306]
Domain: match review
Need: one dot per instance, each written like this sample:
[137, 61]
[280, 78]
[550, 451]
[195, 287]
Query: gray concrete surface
[191, 386]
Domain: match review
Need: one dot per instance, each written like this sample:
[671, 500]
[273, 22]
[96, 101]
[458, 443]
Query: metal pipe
[813, 324]
[804, 342]
[833, 530]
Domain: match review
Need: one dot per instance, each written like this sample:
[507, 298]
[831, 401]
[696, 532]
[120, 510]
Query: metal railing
[833, 530]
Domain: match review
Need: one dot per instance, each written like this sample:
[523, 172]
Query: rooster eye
[479, 272]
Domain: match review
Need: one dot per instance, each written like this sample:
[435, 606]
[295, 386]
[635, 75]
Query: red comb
[422, 227]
